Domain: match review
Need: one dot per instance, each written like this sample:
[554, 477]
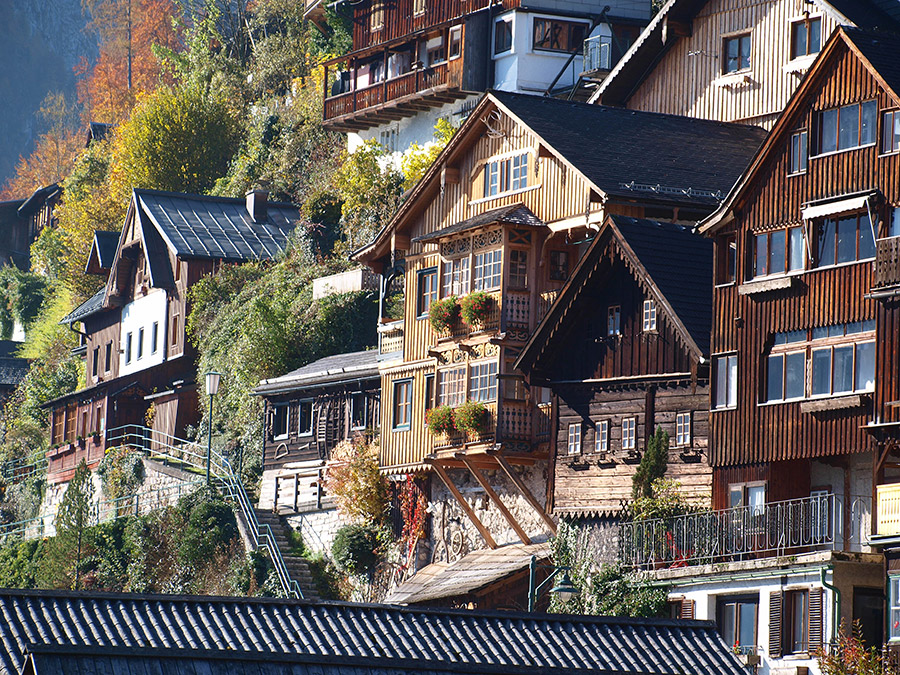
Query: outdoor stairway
[296, 566]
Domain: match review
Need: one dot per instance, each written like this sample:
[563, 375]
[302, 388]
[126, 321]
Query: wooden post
[526, 493]
[482, 481]
[442, 474]
[296, 490]
[275, 500]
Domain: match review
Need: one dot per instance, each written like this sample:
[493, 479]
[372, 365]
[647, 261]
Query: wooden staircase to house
[296, 566]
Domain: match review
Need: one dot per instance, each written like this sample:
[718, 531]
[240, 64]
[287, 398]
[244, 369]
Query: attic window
[649, 317]
[506, 175]
[736, 52]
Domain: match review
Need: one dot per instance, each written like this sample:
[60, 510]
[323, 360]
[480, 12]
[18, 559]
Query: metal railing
[177, 450]
[15, 470]
[597, 53]
[745, 533]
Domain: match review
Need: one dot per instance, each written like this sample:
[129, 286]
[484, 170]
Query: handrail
[156, 443]
[15, 470]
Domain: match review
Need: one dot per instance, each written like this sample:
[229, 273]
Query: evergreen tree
[653, 464]
[75, 515]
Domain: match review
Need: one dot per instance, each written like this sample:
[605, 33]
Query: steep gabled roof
[331, 369]
[103, 252]
[878, 53]
[659, 255]
[386, 636]
[640, 59]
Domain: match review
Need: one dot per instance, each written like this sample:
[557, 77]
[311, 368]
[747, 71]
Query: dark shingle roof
[12, 370]
[667, 252]
[881, 50]
[90, 306]
[106, 244]
[867, 13]
[516, 214]
[458, 639]
[331, 369]
[626, 152]
[197, 226]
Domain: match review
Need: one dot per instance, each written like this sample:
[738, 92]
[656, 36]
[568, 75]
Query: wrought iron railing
[746, 532]
[194, 456]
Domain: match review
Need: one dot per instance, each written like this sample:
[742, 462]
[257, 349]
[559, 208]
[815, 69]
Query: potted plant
[442, 314]
[440, 420]
[471, 416]
[475, 308]
[96, 436]
[80, 440]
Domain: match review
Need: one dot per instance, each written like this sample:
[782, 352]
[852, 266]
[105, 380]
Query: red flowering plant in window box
[476, 308]
[440, 420]
[442, 314]
[472, 417]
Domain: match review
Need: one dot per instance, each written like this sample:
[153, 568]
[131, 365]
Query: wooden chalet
[139, 367]
[507, 209]
[308, 412]
[21, 221]
[640, 326]
[732, 60]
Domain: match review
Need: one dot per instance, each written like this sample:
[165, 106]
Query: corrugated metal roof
[439, 639]
[336, 368]
[197, 226]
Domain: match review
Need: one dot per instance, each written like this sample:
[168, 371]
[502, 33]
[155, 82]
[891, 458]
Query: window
[806, 37]
[894, 607]
[452, 386]
[418, 7]
[629, 433]
[574, 440]
[174, 331]
[429, 392]
[649, 315]
[455, 42]
[890, 131]
[683, 429]
[402, 404]
[559, 265]
[894, 227]
[850, 126]
[796, 624]
[154, 337]
[555, 35]
[506, 175]
[488, 270]
[778, 252]
[437, 53]
[750, 495]
[843, 368]
[736, 617]
[428, 290]
[726, 259]
[128, 341]
[737, 53]
[140, 344]
[483, 381]
[844, 240]
[279, 421]
[107, 361]
[725, 385]
[502, 36]
[601, 438]
[614, 320]
[358, 410]
[456, 277]
[785, 373]
[518, 268]
[799, 151]
[388, 139]
[376, 15]
[305, 418]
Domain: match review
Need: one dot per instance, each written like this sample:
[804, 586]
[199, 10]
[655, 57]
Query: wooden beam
[523, 489]
[482, 481]
[439, 470]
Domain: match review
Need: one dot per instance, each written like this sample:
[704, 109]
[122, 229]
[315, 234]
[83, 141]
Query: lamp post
[564, 588]
[212, 388]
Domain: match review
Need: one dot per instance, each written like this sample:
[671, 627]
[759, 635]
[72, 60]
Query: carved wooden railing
[546, 301]
[517, 309]
[460, 438]
[516, 421]
[386, 91]
[390, 338]
[461, 330]
[887, 262]
[888, 511]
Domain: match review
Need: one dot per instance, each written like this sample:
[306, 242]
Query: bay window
[488, 270]
[452, 386]
[455, 280]
[483, 381]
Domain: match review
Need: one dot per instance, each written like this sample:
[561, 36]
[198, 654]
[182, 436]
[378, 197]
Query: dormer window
[806, 37]
[736, 50]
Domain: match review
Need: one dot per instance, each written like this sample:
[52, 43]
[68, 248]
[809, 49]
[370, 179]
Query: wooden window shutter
[687, 608]
[775, 618]
[815, 620]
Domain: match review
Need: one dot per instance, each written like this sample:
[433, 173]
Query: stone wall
[317, 526]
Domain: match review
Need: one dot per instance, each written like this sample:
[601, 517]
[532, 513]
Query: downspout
[836, 617]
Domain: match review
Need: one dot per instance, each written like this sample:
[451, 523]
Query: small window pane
[774, 375]
[868, 123]
[865, 366]
[762, 254]
[815, 36]
[846, 236]
[866, 242]
[842, 379]
[776, 252]
[848, 130]
[821, 371]
[829, 131]
[794, 375]
[827, 232]
[795, 249]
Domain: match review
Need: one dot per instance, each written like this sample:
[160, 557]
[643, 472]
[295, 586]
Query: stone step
[296, 566]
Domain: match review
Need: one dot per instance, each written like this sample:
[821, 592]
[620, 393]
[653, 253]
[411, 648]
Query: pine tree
[75, 515]
[653, 464]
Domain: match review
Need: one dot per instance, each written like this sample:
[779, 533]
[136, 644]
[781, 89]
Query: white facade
[143, 333]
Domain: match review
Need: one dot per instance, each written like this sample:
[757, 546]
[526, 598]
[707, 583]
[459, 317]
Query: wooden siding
[592, 483]
[783, 480]
[688, 78]
[827, 296]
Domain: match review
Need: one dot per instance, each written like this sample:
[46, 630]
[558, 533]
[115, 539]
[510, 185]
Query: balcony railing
[887, 262]
[390, 338]
[461, 330]
[888, 500]
[545, 303]
[385, 91]
[597, 53]
[461, 438]
[745, 533]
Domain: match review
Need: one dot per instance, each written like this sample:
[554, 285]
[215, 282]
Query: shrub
[355, 480]
[471, 416]
[475, 308]
[355, 548]
[210, 523]
[440, 420]
[442, 314]
[121, 472]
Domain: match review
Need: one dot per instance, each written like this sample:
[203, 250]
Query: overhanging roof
[517, 214]
[351, 366]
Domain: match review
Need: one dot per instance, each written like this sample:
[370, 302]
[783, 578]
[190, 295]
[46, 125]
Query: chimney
[256, 205]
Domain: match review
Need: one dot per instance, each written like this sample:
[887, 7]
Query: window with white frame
[649, 315]
[601, 439]
[452, 386]
[725, 381]
[376, 15]
[358, 410]
[488, 270]
[629, 433]
[483, 381]
[305, 418]
[279, 421]
[455, 277]
[614, 320]
[518, 268]
[683, 429]
[574, 440]
[418, 7]
[894, 607]
[506, 175]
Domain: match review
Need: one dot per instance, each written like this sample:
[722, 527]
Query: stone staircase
[296, 566]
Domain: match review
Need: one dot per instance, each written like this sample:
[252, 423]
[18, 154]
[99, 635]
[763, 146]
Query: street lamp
[212, 388]
[564, 588]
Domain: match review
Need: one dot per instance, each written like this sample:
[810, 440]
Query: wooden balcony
[460, 330]
[390, 340]
[510, 421]
[887, 498]
[887, 262]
